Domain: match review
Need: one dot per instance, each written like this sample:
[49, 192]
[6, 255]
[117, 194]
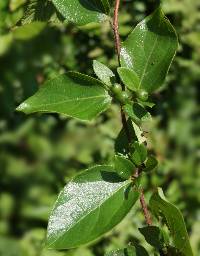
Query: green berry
[116, 89]
[123, 97]
[142, 95]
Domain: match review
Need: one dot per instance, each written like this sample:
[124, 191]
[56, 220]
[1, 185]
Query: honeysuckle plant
[97, 199]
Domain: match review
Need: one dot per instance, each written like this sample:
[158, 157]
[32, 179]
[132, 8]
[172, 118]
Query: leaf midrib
[72, 100]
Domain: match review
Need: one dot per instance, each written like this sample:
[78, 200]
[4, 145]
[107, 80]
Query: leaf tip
[22, 107]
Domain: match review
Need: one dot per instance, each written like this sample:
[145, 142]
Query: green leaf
[103, 72]
[150, 49]
[172, 251]
[146, 104]
[121, 142]
[91, 204]
[137, 113]
[124, 167]
[151, 164]
[37, 10]
[138, 153]
[103, 5]
[129, 251]
[173, 219]
[154, 236]
[28, 31]
[5, 43]
[137, 250]
[82, 12]
[72, 94]
[129, 78]
[139, 134]
[15, 4]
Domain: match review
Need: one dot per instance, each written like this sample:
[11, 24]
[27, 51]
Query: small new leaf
[174, 221]
[72, 94]
[91, 204]
[103, 72]
[129, 78]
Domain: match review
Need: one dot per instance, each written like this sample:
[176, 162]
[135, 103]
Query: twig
[118, 49]
[116, 29]
[145, 209]
[123, 116]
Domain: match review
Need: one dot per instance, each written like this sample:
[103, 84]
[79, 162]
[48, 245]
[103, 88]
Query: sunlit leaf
[150, 49]
[103, 72]
[82, 12]
[72, 94]
[90, 205]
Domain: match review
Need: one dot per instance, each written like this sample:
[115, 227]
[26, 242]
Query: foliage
[36, 151]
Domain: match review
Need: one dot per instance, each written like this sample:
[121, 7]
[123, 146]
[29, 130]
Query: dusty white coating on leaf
[102, 72]
[78, 200]
[126, 57]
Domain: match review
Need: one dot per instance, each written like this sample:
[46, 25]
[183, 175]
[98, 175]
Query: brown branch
[116, 29]
[145, 209]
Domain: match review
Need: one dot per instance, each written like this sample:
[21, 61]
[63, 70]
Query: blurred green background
[40, 153]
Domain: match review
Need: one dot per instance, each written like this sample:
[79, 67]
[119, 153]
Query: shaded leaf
[172, 251]
[91, 204]
[150, 164]
[121, 142]
[138, 153]
[72, 94]
[154, 236]
[137, 113]
[173, 219]
[124, 167]
[37, 10]
[150, 49]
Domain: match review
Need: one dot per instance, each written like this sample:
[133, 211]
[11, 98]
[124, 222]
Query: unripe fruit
[142, 95]
[124, 97]
[116, 89]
